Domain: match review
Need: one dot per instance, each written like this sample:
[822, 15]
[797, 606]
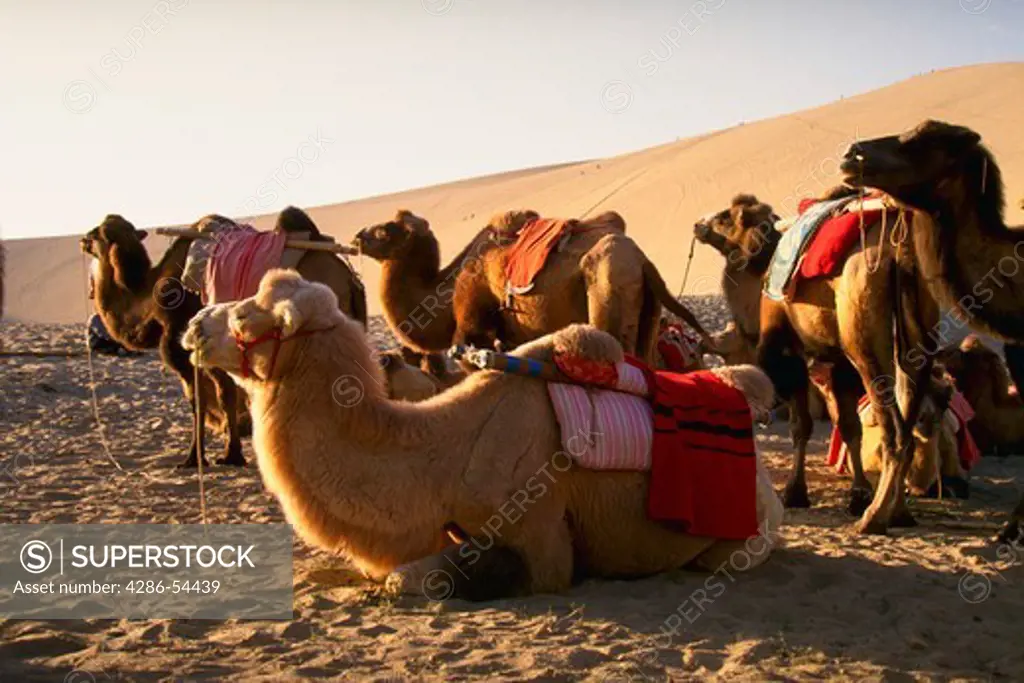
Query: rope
[689, 261]
[100, 427]
[200, 433]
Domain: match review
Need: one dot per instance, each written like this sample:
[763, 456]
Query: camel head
[912, 166]
[119, 243]
[742, 233]
[393, 240]
[256, 338]
[731, 345]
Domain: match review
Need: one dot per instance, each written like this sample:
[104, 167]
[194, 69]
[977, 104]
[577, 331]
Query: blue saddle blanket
[793, 243]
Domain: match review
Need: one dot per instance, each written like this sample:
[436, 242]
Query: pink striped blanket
[239, 260]
[606, 430]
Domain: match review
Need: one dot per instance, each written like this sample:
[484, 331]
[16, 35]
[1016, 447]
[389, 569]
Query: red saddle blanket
[703, 457]
[832, 242]
[534, 243]
[239, 261]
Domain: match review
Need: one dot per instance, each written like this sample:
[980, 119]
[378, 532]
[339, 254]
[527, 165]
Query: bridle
[273, 334]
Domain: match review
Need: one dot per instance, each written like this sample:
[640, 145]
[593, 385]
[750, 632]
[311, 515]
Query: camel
[837, 323]
[600, 276]
[384, 482]
[145, 307]
[981, 375]
[406, 382]
[965, 252]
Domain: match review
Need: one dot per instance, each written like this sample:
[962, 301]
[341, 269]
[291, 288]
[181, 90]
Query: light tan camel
[600, 276]
[382, 481]
[406, 382]
[969, 258]
[843, 323]
[145, 306]
[982, 377]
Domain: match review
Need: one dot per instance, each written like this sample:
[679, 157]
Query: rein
[689, 262]
[273, 334]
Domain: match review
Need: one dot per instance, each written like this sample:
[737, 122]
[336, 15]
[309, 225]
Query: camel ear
[141, 234]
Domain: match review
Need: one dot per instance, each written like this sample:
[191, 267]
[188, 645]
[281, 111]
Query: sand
[937, 602]
[660, 191]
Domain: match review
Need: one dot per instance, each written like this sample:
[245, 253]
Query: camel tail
[654, 281]
[294, 219]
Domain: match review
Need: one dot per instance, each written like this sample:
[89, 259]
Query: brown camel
[600, 276]
[383, 482]
[145, 307]
[807, 333]
[960, 242]
[981, 376]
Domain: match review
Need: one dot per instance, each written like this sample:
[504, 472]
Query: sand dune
[660, 190]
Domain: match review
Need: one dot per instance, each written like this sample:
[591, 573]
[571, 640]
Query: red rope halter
[274, 334]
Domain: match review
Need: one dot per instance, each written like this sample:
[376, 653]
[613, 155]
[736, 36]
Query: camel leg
[1013, 532]
[847, 388]
[227, 396]
[801, 426]
[881, 390]
[788, 373]
[177, 358]
[914, 389]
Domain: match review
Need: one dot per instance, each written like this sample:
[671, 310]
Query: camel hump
[294, 219]
[587, 342]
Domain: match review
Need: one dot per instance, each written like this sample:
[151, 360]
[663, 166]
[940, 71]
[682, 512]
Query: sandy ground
[938, 602]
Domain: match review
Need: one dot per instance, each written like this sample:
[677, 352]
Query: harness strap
[274, 334]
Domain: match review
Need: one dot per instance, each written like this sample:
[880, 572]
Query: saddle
[230, 266]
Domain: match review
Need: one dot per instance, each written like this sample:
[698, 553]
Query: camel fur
[982, 377]
[600, 276]
[967, 255]
[406, 382]
[145, 306]
[843, 322]
[384, 483]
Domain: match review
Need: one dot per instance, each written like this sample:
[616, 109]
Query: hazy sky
[164, 110]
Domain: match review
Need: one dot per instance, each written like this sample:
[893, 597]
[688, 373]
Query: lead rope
[100, 427]
[200, 432]
[689, 261]
[871, 269]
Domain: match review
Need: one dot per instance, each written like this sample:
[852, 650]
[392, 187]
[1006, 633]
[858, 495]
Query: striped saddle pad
[604, 429]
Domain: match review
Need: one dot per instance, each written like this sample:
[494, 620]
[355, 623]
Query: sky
[165, 110]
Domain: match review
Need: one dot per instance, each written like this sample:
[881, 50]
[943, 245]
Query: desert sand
[937, 602]
[660, 191]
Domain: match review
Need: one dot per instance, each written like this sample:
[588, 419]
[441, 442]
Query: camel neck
[417, 300]
[970, 256]
[348, 467]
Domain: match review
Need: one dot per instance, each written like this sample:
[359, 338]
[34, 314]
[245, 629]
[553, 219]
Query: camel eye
[380, 233]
